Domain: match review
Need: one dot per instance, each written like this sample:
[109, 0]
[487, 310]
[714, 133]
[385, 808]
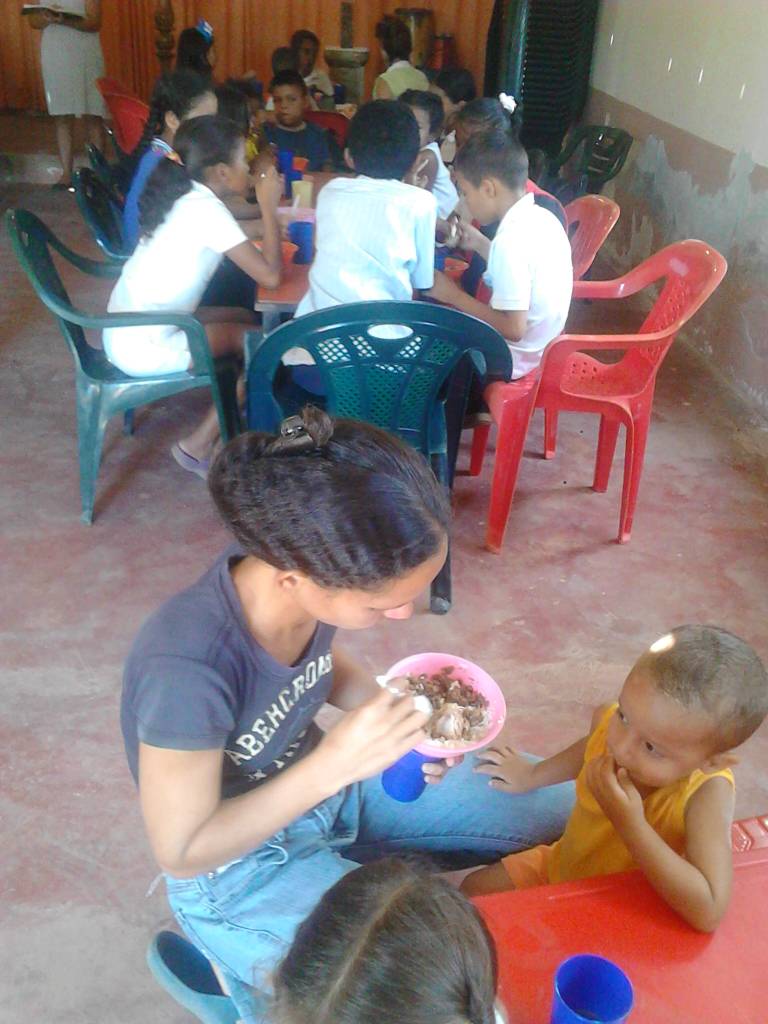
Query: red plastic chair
[337, 124]
[594, 218]
[749, 834]
[620, 393]
[129, 115]
[111, 87]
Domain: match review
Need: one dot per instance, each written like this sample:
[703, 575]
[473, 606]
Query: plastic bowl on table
[287, 214]
[404, 780]
[289, 250]
[300, 163]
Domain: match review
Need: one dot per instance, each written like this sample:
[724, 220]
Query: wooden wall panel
[247, 31]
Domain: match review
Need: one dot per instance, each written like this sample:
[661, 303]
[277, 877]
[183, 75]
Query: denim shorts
[243, 916]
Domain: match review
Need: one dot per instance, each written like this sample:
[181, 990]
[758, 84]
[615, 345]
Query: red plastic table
[679, 975]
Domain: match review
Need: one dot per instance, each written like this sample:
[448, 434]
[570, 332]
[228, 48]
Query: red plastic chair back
[129, 115]
[111, 87]
[590, 220]
[336, 124]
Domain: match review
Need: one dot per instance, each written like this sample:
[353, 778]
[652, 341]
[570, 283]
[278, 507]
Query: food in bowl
[459, 713]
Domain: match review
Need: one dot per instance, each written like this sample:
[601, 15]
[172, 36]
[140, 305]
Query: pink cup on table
[404, 780]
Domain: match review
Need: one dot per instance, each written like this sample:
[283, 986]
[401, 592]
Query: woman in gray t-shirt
[252, 812]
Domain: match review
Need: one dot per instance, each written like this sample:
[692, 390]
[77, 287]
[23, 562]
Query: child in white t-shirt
[529, 260]
[375, 235]
[186, 230]
[430, 170]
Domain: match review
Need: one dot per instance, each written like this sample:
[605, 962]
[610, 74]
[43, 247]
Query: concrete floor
[557, 618]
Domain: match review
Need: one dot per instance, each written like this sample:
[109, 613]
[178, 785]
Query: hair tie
[205, 29]
[509, 103]
[294, 439]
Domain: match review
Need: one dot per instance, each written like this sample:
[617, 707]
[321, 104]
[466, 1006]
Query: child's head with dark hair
[394, 38]
[176, 97]
[456, 88]
[289, 94]
[485, 114]
[211, 151]
[428, 111]
[284, 59]
[690, 699]
[253, 92]
[491, 169]
[709, 669]
[195, 50]
[390, 943]
[306, 46]
[383, 139]
[233, 105]
[354, 514]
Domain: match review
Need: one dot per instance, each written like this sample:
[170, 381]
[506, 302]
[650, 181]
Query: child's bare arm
[697, 886]
[510, 323]
[512, 773]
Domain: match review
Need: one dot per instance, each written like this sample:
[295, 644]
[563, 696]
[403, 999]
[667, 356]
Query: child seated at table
[290, 131]
[367, 952]
[429, 169]
[375, 235]
[529, 267]
[654, 787]
[456, 88]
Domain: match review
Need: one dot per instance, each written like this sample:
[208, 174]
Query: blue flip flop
[199, 467]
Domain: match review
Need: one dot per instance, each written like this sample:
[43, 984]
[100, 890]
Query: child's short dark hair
[457, 84]
[383, 139]
[715, 671]
[368, 952]
[303, 35]
[493, 154]
[233, 104]
[430, 102]
[250, 87]
[394, 37]
[288, 77]
[284, 59]
[377, 509]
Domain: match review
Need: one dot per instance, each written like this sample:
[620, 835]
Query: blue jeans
[244, 915]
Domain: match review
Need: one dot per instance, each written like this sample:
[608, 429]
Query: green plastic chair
[102, 389]
[102, 211]
[399, 384]
[604, 151]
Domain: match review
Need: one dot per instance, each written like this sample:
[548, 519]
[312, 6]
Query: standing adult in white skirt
[72, 60]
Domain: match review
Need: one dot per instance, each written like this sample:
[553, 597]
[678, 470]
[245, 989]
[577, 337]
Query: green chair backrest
[602, 153]
[102, 211]
[394, 382]
[33, 243]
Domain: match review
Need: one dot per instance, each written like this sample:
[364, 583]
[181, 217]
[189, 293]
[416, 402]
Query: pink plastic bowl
[469, 673]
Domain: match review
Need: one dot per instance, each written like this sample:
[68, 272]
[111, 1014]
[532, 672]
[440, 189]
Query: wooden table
[680, 976]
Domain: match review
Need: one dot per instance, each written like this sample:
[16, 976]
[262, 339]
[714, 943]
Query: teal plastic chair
[102, 211]
[399, 384]
[102, 389]
[188, 977]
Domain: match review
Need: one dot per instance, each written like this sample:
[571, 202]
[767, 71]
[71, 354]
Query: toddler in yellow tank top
[654, 787]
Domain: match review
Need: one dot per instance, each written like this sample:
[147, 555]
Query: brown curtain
[246, 31]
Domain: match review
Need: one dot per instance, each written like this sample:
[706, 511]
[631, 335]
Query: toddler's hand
[371, 738]
[435, 771]
[268, 184]
[509, 772]
[615, 792]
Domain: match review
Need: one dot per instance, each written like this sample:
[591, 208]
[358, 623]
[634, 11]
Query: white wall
[701, 65]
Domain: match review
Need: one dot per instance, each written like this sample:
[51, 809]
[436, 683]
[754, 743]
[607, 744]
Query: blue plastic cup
[301, 233]
[591, 988]
[339, 93]
[284, 160]
[404, 780]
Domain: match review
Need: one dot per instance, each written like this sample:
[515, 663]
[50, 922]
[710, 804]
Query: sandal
[199, 467]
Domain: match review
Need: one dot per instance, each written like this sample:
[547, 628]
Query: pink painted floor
[558, 618]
